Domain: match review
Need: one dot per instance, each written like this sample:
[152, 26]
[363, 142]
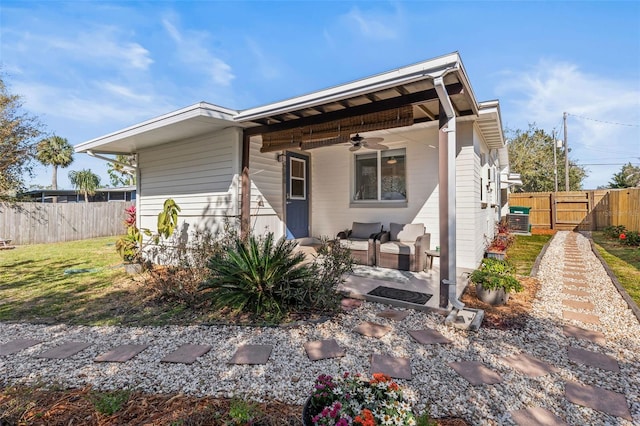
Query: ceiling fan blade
[355, 148]
[373, 141]
[377, 146]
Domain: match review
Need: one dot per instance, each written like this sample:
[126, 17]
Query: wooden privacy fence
[32, 223]
[581, 210]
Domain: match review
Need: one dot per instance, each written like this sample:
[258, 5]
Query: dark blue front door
[297, 196]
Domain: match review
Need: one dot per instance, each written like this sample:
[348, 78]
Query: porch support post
[447, 197]
[245, 188]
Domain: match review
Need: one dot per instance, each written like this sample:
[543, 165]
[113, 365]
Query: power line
[603, 121]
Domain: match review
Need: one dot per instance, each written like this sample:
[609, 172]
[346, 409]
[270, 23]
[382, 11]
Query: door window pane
[297, 179]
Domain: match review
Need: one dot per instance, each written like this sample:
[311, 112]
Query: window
[380, 176]
[298, 187]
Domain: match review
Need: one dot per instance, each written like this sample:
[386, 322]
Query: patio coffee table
[430, 255]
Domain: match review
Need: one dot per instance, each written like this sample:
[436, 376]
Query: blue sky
[88, 68]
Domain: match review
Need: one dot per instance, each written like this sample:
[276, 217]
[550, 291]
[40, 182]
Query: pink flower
[623, 236]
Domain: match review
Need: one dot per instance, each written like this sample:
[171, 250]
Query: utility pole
[566, 153]
[555, 161]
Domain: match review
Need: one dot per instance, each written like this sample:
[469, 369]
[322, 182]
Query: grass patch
[524, 251]
[34, 288]
[623, 260]
[108, 403]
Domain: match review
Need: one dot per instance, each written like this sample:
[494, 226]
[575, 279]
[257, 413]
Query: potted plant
[497, 248]
[494, 280]
[355, 399]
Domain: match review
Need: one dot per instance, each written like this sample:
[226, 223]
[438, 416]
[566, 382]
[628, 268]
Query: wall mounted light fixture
[280, 158]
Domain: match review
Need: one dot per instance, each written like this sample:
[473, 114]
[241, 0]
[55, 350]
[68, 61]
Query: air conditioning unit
[518, 223]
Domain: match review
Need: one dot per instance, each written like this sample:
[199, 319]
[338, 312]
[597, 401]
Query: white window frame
[379, 201]
[303, 178]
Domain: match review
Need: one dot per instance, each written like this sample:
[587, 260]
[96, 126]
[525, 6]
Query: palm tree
[84, 181]
[57, 152]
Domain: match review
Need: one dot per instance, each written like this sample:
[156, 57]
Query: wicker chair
[360, 240]
[403, 247]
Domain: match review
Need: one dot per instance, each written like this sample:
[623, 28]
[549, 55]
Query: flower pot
[492, 297]
[499, 255]
[307, 415]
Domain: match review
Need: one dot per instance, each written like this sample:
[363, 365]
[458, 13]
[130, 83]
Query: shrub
[269, 278]
[109, 403]
[493, 274]
[630, 238]
[614, 231]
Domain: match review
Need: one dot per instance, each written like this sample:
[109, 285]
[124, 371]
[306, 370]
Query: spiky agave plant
[257, 275]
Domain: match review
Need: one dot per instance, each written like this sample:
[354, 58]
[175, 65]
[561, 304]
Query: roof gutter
[447, 195]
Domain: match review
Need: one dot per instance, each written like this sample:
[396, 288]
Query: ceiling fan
[358, 142]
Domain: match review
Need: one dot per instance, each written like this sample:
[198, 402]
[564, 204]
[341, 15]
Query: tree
[18, 132]
[84, 181]
[531, 155]
[627, 177]
[57, 152]
[119, 174]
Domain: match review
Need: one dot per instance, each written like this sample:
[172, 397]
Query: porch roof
[396, 98]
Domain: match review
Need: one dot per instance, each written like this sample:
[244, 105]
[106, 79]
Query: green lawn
[34, 286]
[623, 260]
[525, 250]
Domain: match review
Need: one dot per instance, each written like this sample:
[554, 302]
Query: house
[125, 193]
[305, 166]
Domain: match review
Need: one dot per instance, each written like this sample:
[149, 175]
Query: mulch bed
[513, 315]
[39, 407]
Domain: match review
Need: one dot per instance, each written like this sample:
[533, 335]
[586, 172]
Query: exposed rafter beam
[427, 112]
[383, 105]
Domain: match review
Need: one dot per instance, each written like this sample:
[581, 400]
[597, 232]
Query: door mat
[399, 294]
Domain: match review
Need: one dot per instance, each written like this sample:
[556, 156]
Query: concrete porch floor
[366, 278]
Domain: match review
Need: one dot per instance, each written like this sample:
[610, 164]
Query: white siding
[266, 175]
[467, 197]
[332, 170]
[202, 176]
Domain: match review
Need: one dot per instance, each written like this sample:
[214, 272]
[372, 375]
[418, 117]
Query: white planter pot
[492, 297]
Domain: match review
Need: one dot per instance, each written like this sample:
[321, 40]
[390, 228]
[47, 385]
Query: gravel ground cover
[289, 374]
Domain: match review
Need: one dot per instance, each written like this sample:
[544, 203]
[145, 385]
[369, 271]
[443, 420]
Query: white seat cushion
[397, 247]
[355, 244]
[406, 232]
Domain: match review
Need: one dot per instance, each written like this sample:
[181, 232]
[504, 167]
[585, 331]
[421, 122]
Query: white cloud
[192, 50]
[595, 103]
[266, 65]
[372, 24]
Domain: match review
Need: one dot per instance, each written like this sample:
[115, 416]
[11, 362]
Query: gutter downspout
[447, 196]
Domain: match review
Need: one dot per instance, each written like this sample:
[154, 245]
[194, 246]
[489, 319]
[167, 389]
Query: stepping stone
[396, 367]
[252, 354]
[17, 345]
[323, 349]
[587, 306]
[575, 283]
[186, 354]
[428, 337]
[536, 416]
[576, 277]
[580, 333]
[528, 365]
[599, 399]
[476, 373]
[577, 316]
[371, 329]
[593, 359]
[579, 293]
[65, 350]
[393, 314]
[350, 304]
[121, 353]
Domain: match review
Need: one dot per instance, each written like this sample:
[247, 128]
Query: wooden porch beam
[383, 105]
